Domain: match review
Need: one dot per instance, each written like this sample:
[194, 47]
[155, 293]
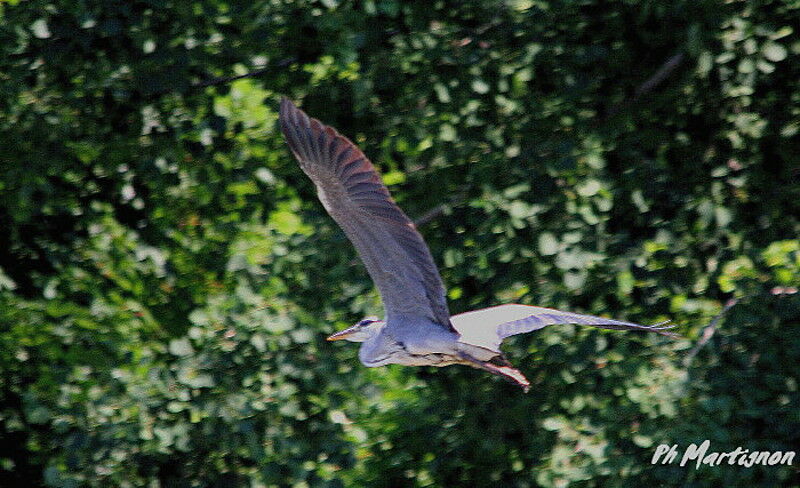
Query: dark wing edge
[543, 317]
[316, 145]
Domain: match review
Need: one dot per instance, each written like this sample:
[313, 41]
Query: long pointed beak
[342, 334]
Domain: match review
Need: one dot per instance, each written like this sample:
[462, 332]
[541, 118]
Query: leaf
[590, 188]
[447, 133]
[6, 282]
[180, 347]
[393, 178]
[774, 52]
[441, 93]
[40, 29]
[553, 423]
[480, 86]
[548, 244]
[288, 223]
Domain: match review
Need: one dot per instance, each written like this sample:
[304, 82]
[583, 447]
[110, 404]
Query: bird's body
[418, 329]
[420, 342]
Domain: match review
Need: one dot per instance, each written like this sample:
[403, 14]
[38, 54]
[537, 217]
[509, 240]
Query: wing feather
[396, 256]
[489, 326]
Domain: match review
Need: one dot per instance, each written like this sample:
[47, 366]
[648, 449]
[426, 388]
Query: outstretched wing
[350, 189]
[489, 326]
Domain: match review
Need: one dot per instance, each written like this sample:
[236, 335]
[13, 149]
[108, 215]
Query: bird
[417, 329]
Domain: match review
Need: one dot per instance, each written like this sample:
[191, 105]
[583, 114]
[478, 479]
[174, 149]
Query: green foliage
[167, 276]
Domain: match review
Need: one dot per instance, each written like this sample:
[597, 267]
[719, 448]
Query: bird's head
[360, 332]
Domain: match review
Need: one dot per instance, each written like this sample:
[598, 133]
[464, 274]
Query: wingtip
[662, 328]
[290, 114]
[286, 106]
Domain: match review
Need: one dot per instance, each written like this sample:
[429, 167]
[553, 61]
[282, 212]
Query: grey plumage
[396, 257]
[418, 329]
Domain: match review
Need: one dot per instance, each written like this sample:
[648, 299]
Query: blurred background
[167, 276]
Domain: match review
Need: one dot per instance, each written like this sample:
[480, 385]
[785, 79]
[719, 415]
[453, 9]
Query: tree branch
[661, 74]
[440, 209]
[228, 79]
[708, 332]
[431, 215]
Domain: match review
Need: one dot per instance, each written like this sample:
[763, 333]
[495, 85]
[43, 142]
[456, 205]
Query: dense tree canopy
[167, 276]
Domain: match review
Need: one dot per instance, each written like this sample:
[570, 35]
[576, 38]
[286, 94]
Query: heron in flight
[418, 329]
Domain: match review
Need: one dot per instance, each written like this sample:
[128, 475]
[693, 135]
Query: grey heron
[418, 329]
